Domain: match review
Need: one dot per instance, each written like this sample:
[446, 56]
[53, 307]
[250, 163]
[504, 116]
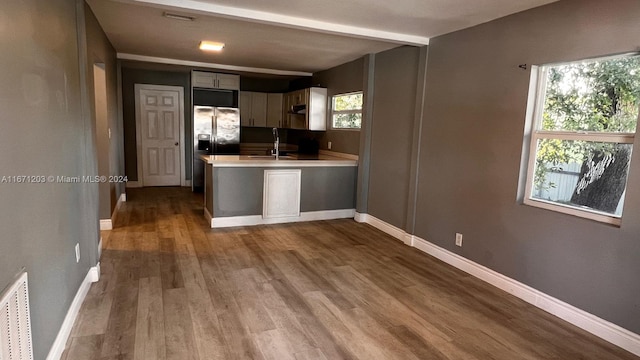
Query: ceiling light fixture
[211, 46]
[178, 16]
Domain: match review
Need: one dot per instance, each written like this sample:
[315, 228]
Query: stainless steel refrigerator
[216, 130]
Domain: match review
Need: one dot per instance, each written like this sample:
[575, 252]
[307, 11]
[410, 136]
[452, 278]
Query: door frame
[180, 90]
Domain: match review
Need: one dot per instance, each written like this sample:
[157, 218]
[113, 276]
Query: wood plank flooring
[171, 288]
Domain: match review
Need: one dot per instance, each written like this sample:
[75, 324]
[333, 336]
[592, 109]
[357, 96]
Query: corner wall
[109, 149]
[46, 130]
[341, 79]
[472, 140]
[392, 122]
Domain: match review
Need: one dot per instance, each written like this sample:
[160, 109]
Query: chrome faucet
[276, 144]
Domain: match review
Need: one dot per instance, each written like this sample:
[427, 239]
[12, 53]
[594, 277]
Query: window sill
[585, 214]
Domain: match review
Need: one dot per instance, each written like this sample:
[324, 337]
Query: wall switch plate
[329, 145]
[459, 239]
[77, 253]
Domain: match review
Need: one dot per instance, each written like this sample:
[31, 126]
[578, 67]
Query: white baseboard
[187, 183]
[106, 224]
[251, 220]
[133, 184]
[597, 326]
[208, 216]
[57, 348]
[382, 226]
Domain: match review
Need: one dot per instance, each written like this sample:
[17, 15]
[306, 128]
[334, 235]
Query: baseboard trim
[123, 198]
[597, 326]
[382, 226]
[133, 184]
[106, 224]
[57, 348]
[208, 216]
[251, 220]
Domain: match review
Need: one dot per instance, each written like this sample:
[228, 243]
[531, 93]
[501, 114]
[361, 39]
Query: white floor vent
[15, 323]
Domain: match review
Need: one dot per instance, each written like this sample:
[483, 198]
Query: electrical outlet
[459, 239]
[329, 145]
[77, 253]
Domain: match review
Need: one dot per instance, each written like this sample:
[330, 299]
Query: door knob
[176, 144]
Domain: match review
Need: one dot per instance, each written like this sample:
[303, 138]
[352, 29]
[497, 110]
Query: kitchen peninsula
[245, 190]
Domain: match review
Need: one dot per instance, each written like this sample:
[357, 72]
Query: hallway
[171, 288]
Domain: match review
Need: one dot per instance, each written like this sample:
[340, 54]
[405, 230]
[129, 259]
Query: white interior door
[159, 135]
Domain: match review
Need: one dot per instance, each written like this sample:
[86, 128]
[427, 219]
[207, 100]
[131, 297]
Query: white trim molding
[106, 224]
[160, 60]
[251, 220]
[93, 275]
[288, 21]
[597, 326]
[133, 184]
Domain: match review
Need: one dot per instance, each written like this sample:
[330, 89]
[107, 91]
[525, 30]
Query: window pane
[347, 102]
[597, 95]
[582, 174]
[347, 121]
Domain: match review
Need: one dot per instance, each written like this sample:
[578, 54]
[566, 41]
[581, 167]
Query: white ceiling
[283, 35]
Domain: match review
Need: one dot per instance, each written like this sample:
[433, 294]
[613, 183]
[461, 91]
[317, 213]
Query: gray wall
[395, 76]
[340, 79]
[46, 130]
[472, 140]
[110, 154]
[132, 76]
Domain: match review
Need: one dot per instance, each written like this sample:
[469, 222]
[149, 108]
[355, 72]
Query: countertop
[292, 160]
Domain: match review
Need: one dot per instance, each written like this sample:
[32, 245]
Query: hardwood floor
[171, 288]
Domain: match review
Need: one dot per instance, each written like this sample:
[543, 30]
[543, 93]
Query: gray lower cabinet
[240, 191]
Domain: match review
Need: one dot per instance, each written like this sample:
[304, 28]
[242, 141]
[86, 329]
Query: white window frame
[340, 112]
[535, 109]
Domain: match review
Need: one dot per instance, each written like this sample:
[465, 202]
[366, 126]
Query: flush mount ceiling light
[211, 46]
[178, 16]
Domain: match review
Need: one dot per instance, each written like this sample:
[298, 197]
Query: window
[584, 122]
[346, 111]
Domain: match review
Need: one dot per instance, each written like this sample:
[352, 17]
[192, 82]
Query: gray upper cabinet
[253, 109]
[210, 80]
[306, 109]
[274, 110]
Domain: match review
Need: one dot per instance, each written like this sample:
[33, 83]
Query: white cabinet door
[281, 194]
[209, 80]
[274, 110]
[245, 108]
[259, 109]
[253, 109]
[203, 79]
[228, 82]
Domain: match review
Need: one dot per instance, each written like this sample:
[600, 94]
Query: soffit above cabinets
[279, 35]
